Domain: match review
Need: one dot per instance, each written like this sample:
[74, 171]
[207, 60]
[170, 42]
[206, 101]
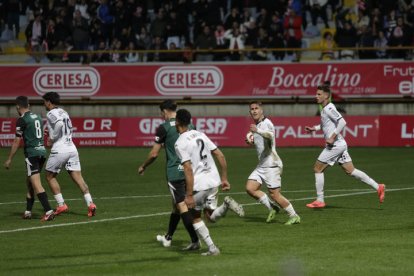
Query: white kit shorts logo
[188, 80]
[70, 81]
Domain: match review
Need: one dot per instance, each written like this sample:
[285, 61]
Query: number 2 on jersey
[200, 144]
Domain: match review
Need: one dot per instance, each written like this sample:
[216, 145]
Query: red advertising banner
[231, 131]
[214, 81]
[396, 131]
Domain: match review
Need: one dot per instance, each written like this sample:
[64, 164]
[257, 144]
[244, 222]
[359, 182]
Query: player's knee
[317, 170]
[349, 172]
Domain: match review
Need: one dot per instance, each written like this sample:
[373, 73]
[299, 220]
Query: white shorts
[332, 155]
[68, 159]
[206, 199]
[269, 176]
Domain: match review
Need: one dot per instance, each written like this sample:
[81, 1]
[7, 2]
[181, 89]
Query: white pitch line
[341, 195]
[82, 222]
[168, 195]
[166, 213]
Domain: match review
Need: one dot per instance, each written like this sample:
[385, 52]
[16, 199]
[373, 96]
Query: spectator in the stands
[234, 16]
[381, 43]
[158, 48]
[131, 56]
[80, 33]
[221, 43]
[346, 37]
[293, 32]
[159, 25]
[82, 6]
[205, 41]
[366, 40]
[263, 19]
[106, 19]
[236, 42]
[115, 54]
[13, 8]
[174, 55]
[318, 9]
[327, 46]
[174, 29]
[102, 54]
[36, 31]
[68, 55]
[398, 37]
[138, 20]
[261, 43]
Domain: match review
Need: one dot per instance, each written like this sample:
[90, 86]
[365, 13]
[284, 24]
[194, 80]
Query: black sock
[172, 226]
[188, 223]
[29, 203]
[44, 201]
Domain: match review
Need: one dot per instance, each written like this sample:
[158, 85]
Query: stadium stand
[258, 30]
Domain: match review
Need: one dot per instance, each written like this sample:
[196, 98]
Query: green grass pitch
[352, 236]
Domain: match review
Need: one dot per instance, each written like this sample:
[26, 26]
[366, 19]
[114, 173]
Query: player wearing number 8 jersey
[336, 149]
[63, 153]
[29, 127]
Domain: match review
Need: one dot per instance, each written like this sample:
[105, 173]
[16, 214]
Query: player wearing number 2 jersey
[336, 149]
[63, 153]
[29, 127]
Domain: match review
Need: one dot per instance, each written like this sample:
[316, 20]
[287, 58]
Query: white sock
[291, 212]
[88, 199]
[59, 199]
[266, 202]
[319, 183]
[360, 175]
[219, 212]
[203, 233]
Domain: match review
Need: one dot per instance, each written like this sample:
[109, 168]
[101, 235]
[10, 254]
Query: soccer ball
[249, 138]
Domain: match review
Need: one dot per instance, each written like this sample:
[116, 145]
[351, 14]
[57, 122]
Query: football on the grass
[250, 138]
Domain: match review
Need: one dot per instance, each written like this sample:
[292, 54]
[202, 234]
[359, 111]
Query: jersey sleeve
[160, 135]
[333, 114]
[209, 144]
[182, 152]
[20, 127]
[52, 118]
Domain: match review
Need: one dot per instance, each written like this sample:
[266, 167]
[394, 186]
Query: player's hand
[46, 132]
[7, 164]
[253, 128]
[225, 185]
[141, 170]
[189, 200]
[309, 129]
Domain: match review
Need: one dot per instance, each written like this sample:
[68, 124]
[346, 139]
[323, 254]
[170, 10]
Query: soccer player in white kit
[63, 153]
[195, 150]
[336, 149]
[270, 166]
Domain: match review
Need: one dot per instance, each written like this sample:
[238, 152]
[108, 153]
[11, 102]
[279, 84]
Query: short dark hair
[52, 97]
[325, 87]
[168, 105]
[22, 101]
[183, 117]
[259, 103]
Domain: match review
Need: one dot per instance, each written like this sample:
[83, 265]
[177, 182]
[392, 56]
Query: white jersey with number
[62, 143]
[329, 121]
[196, 147]
[266, 146]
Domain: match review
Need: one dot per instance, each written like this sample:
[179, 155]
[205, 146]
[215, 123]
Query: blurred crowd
[241, 29]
